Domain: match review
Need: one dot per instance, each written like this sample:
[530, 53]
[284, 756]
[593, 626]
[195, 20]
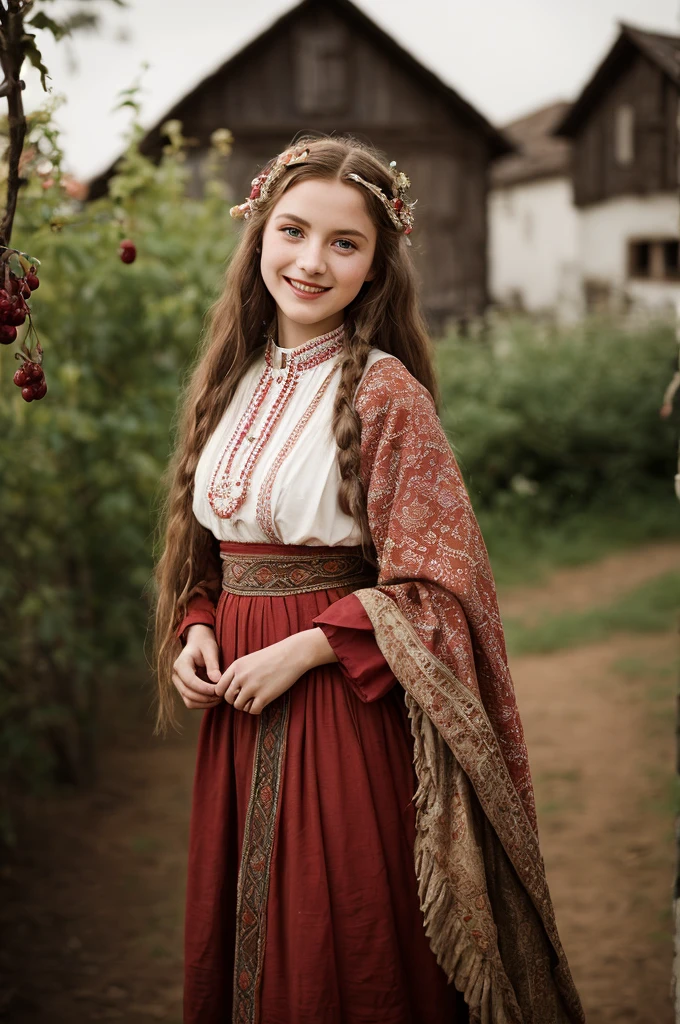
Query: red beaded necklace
[225, 494]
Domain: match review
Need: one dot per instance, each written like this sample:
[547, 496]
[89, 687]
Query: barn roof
[360, 22]
[540, 154]
[662, 50]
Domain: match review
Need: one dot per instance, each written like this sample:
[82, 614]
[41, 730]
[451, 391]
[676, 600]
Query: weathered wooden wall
[654, 98]
[316, 74]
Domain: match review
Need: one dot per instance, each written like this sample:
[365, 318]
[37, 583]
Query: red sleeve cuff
[200, 609]
[349, 631]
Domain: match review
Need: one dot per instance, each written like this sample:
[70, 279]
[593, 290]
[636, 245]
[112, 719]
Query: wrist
[196, 626]
[309, 648]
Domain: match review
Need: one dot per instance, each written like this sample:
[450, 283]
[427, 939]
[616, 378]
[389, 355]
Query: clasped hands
[252, 682]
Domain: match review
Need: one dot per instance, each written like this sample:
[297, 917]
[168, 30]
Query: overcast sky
[506, 58]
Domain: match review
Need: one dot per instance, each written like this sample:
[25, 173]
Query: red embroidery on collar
[227, 492]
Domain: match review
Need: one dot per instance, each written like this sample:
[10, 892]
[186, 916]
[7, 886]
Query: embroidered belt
[273, 574]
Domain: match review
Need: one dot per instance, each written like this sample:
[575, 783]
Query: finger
[194, 682]
[257, 706]
[233, 690]
[211, 657]
[190, 699]
[223, 684]
[242, 698]
[194, 705]
[248, 706]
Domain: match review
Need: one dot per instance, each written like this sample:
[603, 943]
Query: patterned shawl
[487, 908]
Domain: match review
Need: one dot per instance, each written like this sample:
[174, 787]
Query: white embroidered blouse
[269, 473]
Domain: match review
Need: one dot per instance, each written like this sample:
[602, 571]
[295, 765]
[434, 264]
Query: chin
[308, 312]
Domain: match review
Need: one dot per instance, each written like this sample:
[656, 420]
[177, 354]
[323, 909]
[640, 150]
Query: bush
[81, 468]
[548, 423]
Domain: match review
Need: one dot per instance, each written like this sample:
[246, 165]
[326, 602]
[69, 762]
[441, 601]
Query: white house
[533, 223]
[595, 224]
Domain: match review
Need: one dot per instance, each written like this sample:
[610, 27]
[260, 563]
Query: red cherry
[34, 371]
[16, 318]
[127, 251]
[255, 192]
[407, 231]
[398, 203]
[20, 378]
[33, 281]
[40, 390]
[24, 289]
[8, 334]
[27, 394]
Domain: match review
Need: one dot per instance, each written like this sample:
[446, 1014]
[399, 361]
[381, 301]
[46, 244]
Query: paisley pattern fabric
[434, 611]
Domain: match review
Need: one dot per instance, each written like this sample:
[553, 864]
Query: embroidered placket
[229, 486]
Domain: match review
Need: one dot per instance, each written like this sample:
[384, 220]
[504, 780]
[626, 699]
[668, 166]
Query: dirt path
[602, 751]
[93, 907]
[600, 582]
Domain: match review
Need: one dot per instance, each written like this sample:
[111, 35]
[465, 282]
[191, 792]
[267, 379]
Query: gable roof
[663, 50]
[499, 145]
[540, 154]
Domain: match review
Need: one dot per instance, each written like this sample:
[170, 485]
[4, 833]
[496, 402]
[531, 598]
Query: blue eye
[299, 233]
[345, 244]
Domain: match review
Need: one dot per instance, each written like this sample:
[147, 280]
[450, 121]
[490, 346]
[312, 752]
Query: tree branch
[11, 59]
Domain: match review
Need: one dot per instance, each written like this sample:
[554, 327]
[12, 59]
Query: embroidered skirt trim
[258, 844]
[260, 575]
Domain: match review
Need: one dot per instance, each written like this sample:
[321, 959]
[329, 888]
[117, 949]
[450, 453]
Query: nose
[310, 258]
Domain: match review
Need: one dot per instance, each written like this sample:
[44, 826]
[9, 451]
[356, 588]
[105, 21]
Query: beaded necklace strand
[225, 494]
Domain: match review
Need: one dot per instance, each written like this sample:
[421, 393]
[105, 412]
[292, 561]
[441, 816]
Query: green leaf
[43, 21]
[33, 54]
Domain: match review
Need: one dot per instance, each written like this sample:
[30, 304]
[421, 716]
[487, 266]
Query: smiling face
[317, 250]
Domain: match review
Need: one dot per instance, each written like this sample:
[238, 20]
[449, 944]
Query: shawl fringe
[482, 981]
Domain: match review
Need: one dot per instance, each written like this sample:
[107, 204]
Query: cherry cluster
[30, 377]
[15, 291]
[13, 306]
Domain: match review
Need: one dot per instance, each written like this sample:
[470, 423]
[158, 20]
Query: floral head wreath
[398, 206]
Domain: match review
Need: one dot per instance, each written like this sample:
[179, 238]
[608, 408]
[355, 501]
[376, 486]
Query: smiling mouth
[302, 286]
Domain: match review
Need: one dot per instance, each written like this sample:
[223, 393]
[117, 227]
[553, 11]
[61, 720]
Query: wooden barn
[325, 66]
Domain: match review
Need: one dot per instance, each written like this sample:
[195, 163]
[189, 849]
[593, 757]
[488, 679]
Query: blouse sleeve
[349, 631]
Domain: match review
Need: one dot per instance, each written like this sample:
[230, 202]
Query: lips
[304, 289]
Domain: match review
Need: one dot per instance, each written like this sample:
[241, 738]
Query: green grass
[652, 607]
[640, 668]
[523, 551]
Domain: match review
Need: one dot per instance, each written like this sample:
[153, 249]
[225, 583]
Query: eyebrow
[306, 224]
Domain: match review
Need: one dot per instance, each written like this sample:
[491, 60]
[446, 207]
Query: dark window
[639, 259]
[656, 259]
[670, 258]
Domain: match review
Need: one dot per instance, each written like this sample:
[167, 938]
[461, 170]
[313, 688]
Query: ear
[370, 275]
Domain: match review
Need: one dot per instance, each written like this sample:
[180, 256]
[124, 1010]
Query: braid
[346, 426]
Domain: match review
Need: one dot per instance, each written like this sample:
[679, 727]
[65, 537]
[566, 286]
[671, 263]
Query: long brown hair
[385, 314]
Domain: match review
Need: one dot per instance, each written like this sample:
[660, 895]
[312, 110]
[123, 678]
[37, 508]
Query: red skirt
[321, 923]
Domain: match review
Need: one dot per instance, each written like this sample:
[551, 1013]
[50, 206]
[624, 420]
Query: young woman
[363, 845]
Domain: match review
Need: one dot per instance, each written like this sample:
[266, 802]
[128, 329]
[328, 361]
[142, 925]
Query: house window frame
[624, 134]
[658, 264]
